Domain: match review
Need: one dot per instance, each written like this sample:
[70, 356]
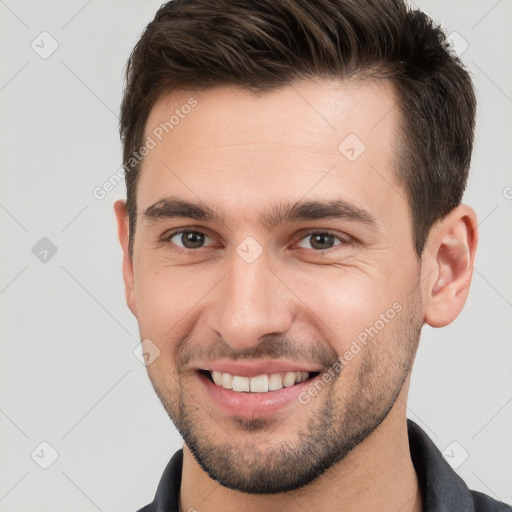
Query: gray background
[68, 373]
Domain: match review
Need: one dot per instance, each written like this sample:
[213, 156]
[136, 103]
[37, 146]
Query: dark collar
[442, 489]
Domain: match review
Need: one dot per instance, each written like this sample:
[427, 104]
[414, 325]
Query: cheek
[166, 299]
[347, 305]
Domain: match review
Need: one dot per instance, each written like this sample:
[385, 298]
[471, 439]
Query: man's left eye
[322, 240]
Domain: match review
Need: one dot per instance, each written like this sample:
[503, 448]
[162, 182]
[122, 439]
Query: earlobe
[451, 248]
[123, 233]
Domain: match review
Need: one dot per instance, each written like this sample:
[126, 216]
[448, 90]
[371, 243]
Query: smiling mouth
[260, 383]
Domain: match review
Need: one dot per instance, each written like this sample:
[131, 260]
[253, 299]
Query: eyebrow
[174, 207]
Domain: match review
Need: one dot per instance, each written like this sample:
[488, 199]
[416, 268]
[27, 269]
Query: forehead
[308, 138]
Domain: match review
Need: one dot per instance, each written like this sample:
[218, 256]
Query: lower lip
[254, 405]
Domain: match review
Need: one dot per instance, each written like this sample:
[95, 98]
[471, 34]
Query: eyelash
[166, 239]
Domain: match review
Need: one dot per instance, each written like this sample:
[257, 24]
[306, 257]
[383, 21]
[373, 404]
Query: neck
[377, 475]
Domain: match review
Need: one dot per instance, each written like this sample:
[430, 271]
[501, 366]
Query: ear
[448, 262]
[123, 233]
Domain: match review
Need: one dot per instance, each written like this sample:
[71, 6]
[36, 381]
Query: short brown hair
[266, 44]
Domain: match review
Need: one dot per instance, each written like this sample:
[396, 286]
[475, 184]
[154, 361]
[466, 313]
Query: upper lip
[254, 368]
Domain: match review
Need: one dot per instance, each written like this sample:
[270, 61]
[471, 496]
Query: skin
[243, 153]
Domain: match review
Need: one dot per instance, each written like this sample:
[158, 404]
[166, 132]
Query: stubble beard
[340, 417]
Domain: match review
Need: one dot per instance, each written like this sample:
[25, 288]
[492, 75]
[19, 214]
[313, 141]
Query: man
[294, 176]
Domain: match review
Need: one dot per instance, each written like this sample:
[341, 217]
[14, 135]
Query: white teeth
[289, 379]
[227, 380]
[301, 377]
[240, 383]
[275, 382]
[260, 383]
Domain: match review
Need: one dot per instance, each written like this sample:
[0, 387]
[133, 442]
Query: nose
[251, 302]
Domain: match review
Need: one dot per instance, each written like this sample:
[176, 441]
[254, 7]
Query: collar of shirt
[442, 489]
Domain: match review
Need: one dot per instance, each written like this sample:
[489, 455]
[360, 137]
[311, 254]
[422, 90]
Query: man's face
[254, 293]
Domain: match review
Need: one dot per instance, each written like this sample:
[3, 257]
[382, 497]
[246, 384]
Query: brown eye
[322, 240]
[187, 239]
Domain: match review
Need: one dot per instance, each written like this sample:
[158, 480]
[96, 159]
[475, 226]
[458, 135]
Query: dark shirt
[441, 488]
